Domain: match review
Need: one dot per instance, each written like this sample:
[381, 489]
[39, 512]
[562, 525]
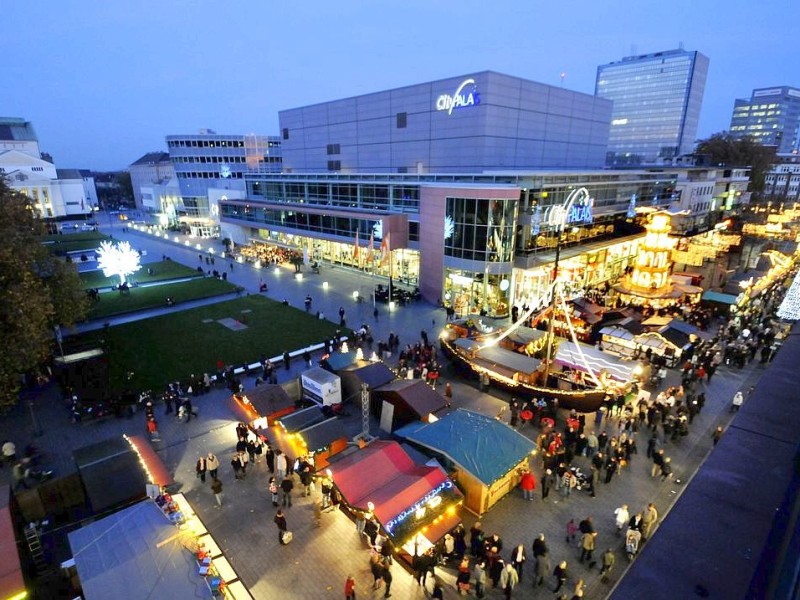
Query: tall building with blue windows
[771, 116]
[657, 99]
[211, 166]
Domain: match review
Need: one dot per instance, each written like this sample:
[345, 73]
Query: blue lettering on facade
[445, 485]
[463, 97]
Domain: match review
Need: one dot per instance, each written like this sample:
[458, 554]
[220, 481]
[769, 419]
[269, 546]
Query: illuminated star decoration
[118, 259]
[790, 307]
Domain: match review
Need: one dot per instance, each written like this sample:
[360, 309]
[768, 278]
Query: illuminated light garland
[150, 477]
[790, 307]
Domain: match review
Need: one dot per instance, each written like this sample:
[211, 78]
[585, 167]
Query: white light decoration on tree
[449, 227]
[118, 259]
[790, 307]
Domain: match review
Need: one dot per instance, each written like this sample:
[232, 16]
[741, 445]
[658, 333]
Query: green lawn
[72, 242]
[174, 346]
[114, 303]
[162, 270]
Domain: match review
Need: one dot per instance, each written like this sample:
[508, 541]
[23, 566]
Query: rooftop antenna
[563, 76]
[633, 49]
[680, 45]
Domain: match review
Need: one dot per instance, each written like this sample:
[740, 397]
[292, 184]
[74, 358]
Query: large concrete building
[657, 99]
[54, 193]
[431, 176]
[209, 166]
[771, 116]
[154, 169]
[467, 124]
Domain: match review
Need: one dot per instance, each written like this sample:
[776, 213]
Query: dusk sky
[104, 82]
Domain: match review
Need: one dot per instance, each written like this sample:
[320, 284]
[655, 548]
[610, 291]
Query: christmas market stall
[411, 503]
[403, 401]
[484, 455]
[682, 335]
[720, 302]
[308, 432]
[261, 407]
[118, 470]
[156, 548]
[374, 374]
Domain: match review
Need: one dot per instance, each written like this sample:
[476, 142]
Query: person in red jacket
[350, 588]
[528, 484]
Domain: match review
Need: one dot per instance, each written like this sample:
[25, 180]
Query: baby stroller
[632, 539]
[583, 481]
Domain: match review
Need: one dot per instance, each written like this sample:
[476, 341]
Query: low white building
[54, 193]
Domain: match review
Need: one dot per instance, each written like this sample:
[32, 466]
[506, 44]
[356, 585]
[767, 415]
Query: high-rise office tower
[657, 99]
[771, 116]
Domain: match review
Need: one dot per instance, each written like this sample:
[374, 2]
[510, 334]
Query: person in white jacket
[622, 517]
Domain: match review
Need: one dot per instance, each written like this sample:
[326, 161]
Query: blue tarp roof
[719, 297]
[484, 446]
[119, 554]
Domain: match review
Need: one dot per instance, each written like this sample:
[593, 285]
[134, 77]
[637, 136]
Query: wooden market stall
[403, 401]
[485, 476]
[374, 374]
[410, 502]
[262, 407]
[310, 433]
[118, 470]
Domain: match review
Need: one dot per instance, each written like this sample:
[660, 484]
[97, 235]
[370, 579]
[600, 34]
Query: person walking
[212, 464]
[717, 435]
[560, 573]
[237, 467]
[527, 484]
[479, 575]
[387, 578]
[350, 588]
[216, 489]
[448, 394]
[200, 469]
[280, 521]
[609, 558]
[280, 465]
[518, 558]
[547, 483]
[622, 517]
[587, 546]
[738, 400]
[287, 485]
[649, 520]
[273, 490]
[509, 579]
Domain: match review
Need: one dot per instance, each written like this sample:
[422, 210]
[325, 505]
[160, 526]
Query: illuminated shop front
[583, 268]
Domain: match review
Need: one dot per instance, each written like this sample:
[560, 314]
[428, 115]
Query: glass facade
[486, 240]
[479, 231]
[657, 100]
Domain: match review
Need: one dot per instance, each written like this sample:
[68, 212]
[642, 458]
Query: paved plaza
[318, 560]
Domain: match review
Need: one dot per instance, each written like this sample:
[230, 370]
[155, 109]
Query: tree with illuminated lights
[118, 259]
[790, 307]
